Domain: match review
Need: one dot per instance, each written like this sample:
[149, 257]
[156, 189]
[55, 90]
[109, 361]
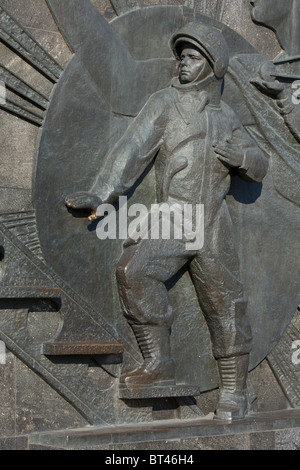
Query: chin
[184, 79]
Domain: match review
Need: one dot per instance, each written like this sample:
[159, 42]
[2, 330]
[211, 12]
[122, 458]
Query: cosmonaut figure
[197, 142]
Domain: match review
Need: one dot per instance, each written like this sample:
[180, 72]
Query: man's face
[268, 11]
[192, 64]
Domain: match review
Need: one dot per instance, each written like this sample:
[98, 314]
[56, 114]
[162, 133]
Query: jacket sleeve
[135, 150]
[255, 164]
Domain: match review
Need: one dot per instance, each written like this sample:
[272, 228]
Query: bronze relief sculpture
[169, 109]
[186, 121]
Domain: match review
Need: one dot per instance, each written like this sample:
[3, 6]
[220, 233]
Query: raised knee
[129, 272]
[121, 272]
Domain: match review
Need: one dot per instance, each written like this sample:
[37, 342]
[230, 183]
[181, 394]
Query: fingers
[75, 200]
[86, 201]
[273, 87]
[256, 82]
[223, 152]
[227, 160]
[94, 216]
[229, 153]
[83, 200]
[261, 84]
[224, 158]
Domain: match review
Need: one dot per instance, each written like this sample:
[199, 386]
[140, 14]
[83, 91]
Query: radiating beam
[14, 108]
[22, 88]
[123, 6]
[220, 9]
[17, 39]
[283, 60]
[285, 76]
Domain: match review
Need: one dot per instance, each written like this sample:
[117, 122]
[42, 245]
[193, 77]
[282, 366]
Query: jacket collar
[193, 86]
[210, 85]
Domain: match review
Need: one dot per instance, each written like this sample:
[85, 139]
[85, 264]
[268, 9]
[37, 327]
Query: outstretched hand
[229, 153]
[84, 200]
[266, 81]
[273, 88]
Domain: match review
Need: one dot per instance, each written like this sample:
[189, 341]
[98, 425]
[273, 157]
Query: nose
[183, 61]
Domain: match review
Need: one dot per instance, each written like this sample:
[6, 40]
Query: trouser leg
[221, 297]
[141, 273]
[222, 300]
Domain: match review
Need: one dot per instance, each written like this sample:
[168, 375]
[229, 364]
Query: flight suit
[179, 127]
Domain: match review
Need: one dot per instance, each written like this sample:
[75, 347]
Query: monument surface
[149, 224]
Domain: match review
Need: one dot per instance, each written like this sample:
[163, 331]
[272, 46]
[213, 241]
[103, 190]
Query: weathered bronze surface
[164, 104]
[197, 141]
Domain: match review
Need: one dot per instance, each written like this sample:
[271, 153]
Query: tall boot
[233, 400]
[158, 367]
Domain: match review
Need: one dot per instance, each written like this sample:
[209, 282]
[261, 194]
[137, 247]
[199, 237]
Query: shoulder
[158, 102]
[161, 96]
